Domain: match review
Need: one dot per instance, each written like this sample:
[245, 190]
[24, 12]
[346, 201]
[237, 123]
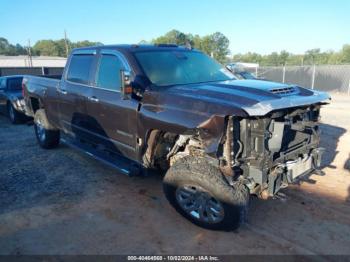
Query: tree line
[310, 57]
[60, 47]
[216, 45]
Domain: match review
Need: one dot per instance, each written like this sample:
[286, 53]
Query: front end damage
[272, 151]
[265, 135]
[265, 153]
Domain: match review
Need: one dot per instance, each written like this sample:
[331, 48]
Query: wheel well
[35, 103]
[164, 148]
[158, 145]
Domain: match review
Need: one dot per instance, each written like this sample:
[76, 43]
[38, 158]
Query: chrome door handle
[93, 99]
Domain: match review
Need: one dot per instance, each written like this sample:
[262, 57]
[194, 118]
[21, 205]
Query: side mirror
[126, 88]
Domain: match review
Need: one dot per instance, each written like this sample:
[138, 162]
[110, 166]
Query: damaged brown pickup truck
[217, 139]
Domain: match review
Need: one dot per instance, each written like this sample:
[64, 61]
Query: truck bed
[36, 86]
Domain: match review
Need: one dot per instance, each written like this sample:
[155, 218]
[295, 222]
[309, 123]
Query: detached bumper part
[302, 166]
[299, 167]
[287, 173]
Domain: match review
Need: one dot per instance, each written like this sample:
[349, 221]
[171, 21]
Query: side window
[108, 76]
[79, 69]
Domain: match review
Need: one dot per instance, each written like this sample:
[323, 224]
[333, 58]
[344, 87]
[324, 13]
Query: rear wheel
[46, 135]
[199, 192]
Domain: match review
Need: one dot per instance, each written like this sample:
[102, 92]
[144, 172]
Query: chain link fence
[330, 78]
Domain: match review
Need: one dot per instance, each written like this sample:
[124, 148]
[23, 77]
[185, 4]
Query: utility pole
[66, 43]
[313, 77]
[29, 54]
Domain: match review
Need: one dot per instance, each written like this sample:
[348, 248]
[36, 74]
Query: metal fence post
[313, 77]
[284, 74]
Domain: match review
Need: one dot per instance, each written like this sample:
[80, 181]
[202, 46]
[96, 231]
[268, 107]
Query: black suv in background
[11, 98]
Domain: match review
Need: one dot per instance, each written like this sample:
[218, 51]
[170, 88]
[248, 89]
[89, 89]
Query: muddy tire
[46, 135]
[199, 192]
[14, 116]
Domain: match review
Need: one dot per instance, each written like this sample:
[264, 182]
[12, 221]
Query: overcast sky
[259, 26]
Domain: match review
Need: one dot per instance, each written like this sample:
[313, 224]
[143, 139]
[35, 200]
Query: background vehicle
[177, 110]
[11, 98]
[240, 72]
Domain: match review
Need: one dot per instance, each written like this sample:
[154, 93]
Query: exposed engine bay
[271, 152]
[267, 153]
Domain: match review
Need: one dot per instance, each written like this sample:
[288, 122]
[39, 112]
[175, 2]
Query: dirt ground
[63, 202]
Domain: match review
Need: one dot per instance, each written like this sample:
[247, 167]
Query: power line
[66, 43]
[29, 54]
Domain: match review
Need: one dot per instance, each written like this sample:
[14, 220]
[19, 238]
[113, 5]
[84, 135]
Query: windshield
[164, 68]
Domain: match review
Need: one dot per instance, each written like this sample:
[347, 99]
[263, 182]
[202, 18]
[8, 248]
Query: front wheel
[46, 136]
[199, 192]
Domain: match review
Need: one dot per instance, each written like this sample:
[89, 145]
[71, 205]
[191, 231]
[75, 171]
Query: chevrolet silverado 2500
[217, 139]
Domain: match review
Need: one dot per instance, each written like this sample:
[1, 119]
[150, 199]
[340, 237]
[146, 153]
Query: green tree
[248, 58]
[172, 37]
[207, 45]
[295, 60]
[47, 48]
[85, 43]
[312, 56]
[335, 58]
[219, 45]
[345, 54]
[215, 44]
[283, 57]
[272, 59]
[4, 46]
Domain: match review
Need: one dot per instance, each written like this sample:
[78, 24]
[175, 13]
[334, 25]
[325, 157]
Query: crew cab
[11, 98]
[217, 139]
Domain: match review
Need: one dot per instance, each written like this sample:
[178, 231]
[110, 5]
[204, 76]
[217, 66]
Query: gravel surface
[62, 202]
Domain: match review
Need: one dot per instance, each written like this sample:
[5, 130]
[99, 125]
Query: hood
[235, 97]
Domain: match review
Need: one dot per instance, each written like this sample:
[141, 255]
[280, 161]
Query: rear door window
[108, 76]
[79, 69]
